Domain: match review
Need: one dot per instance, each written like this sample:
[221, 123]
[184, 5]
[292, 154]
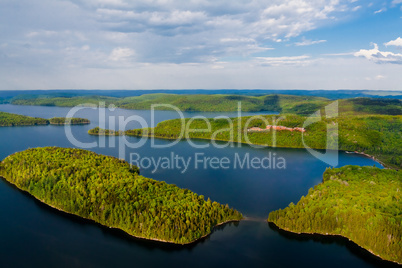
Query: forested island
[104, 132]
[68, 121]
[363, 204]
[9, 119]
[111, 192]
[375, 135]
[281, 103]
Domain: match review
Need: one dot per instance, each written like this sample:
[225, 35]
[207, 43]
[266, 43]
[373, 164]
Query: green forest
[363, 204]
[376, 135]
[111, 192]
[289, 104]
[104, 132]
[68, 121]
[8, 120]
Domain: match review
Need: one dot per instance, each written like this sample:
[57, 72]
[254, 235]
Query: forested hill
[376, 135]
[301, 104]
[111, 192]
[289, 104]
[8, 119]
[363, 204]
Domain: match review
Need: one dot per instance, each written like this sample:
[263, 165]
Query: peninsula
[363, 204]
[111, 192]
[375, 135]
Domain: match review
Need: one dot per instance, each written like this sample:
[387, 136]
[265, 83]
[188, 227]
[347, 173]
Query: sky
[200, 44]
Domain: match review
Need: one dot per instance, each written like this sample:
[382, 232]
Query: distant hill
[286, 104]
[330, 94]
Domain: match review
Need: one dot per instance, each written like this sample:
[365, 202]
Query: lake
[35, 234]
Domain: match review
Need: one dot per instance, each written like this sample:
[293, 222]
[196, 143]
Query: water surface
[33, 233]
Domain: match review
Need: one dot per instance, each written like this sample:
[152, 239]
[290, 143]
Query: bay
[32, 233]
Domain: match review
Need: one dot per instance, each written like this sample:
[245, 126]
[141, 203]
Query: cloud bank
[378, 56]
[397, 42]
[160, 43]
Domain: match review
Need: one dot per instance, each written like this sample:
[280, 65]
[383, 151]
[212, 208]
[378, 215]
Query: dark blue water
[32, 233]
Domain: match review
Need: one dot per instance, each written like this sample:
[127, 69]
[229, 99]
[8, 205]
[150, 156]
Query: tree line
[9, 119]
[281, 103]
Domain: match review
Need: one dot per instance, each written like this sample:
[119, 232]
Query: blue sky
[208, 44]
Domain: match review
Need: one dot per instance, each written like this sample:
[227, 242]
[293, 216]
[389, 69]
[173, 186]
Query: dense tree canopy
[363, 204]
[289, 104]
[104, 132]
[8, 120]
[68, 121]
[111, 192]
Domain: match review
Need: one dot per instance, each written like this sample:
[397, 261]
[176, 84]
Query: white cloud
[306, 42]
[206, 23]
[121, 54]
[356, 8]
[395, 2]
[42, 33]
[217, 67]
[397, 42]
[377, 77]
[243, 40]
[291, 18]
[380, 10]
[339, 54]
[176, 18]
[242, 46]
[171, 31]
[378, 56]
[284, 61]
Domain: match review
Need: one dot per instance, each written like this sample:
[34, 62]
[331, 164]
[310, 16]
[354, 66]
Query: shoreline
[334, 235]
[46, 124]
[258, 144]
[25, 125]
[117, 228]
[67, 124]
[372, 157]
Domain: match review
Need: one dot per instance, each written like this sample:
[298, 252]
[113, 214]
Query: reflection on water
[338, 240]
